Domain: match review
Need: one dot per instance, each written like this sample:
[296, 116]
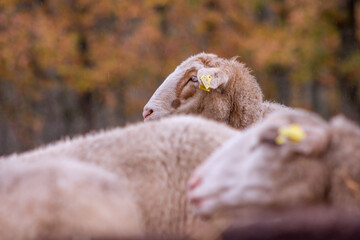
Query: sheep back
[60, 198]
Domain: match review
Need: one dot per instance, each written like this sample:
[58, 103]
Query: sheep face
[180, 92]
[253, 171]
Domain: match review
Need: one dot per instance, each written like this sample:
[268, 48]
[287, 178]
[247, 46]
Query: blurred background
[72, 66]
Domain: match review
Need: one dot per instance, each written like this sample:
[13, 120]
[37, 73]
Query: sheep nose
[147, 112]
[194, 183]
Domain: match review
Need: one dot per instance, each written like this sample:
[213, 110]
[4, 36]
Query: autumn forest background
[73, 66]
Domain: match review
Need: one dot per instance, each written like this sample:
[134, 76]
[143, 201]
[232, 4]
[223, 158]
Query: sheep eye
[193, 79]
[269, 136]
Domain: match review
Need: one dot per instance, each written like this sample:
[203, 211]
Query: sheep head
[234, 96]
[252, 170]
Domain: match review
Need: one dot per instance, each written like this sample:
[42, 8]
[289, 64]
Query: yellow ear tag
[292, 132]
[205, 82]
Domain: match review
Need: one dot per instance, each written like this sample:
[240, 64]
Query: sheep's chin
[149, 118]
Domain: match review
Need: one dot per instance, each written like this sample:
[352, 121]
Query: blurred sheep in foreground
[289, 160]
[60, 198]
[156, 157]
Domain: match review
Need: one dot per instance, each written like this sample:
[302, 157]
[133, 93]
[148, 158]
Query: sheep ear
[313, 143]
[218, 77]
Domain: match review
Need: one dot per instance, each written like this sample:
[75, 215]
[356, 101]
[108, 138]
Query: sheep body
[343, 158]
[156, 157]
[234, 98]
[64, 198]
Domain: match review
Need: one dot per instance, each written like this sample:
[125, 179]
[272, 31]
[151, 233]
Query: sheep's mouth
[198, 201]
[155, 116]
[151, 117]
[146, 117]
[204, 204]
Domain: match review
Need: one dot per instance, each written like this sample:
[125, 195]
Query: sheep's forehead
[198, 61]
[195, 62]
[173, 79]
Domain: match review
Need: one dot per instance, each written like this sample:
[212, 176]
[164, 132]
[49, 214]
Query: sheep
[63, 198]
[234, 97]
[343, 160]
[156, 157]
[318, 163]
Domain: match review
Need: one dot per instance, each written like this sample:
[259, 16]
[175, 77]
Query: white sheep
[290, 159]
[59, 199]
[343, 158]
[157, 158]
[234, 96]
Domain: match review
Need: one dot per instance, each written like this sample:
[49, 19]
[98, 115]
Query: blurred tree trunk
[315, 97]
[86, 109]
[348, 87]
[4, 135]
[283, 87]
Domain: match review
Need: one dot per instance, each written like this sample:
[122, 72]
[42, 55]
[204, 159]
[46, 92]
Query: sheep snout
[147, 112]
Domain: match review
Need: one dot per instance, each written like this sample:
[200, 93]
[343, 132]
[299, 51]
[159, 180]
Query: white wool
[156, 157]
